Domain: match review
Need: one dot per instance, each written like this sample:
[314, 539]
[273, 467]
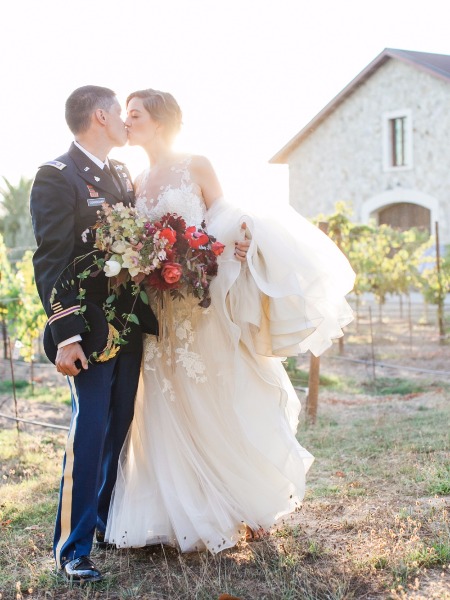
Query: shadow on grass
[273, 569]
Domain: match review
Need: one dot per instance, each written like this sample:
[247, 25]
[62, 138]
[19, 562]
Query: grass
[384, 386]
[436, 553]
[384, 444]
[7, 386]
[48, 394]
[299, 377]
[380, 386]
[374, 524]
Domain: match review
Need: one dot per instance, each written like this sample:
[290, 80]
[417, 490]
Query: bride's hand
[241, 247]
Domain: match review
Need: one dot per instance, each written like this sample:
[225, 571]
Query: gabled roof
[435, 64]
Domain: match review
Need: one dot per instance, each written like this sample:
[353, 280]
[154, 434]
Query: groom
[65, 197]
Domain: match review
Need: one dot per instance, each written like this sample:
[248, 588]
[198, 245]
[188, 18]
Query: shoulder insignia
[54, 163]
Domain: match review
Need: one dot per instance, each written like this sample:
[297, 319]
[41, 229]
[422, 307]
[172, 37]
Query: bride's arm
[203, 174]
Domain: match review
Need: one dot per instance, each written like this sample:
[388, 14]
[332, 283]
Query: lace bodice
[180, 195]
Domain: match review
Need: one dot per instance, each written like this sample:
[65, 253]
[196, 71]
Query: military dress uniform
[65, 197]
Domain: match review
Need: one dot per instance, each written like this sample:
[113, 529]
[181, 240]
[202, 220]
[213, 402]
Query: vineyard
[375, 520]
[388, 263]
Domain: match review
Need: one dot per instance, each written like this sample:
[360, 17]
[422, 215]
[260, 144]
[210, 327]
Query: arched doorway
[405, 215]
[402, 208]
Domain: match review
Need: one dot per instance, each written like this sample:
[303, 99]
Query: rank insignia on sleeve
[56, 307]
[129, 186]
[92, 192]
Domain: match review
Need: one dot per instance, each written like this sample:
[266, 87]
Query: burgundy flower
[155, 280]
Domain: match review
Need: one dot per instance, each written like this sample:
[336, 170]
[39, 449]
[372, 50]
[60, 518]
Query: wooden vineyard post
[13, 381]
[338, 244]
[372, 345]
[312, 399]
[440, 289]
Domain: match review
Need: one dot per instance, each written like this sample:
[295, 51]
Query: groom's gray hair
[82, 102]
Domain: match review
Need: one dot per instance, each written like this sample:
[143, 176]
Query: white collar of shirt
[94, 159]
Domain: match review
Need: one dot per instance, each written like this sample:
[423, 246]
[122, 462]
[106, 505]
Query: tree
[26, 316]
[7, 293]
[15, 223]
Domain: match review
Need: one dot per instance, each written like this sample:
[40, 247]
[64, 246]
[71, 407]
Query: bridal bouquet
[166, 254]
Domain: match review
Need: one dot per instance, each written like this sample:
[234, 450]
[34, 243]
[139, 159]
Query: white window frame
[387, 139]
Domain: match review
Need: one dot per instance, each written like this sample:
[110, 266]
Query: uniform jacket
[65, 197]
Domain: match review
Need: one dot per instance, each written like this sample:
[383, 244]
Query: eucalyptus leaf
[133, 318]
[144, 297]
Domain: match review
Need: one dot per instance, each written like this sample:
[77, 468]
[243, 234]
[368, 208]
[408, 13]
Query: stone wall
[342, 159]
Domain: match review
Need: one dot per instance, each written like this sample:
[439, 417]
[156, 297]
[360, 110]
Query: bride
[212, 452]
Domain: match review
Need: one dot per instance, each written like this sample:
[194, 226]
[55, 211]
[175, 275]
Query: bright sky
[248, 74]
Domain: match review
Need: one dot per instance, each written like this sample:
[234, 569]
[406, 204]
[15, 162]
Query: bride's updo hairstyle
[162, 107]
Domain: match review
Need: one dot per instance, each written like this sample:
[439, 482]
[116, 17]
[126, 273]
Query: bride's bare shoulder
[200, 164]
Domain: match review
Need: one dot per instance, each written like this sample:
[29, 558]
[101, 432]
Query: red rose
[196, 238]
[169, 234]
[217, 248]
[172, 272]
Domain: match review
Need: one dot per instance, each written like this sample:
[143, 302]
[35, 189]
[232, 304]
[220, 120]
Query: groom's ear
[99, 116]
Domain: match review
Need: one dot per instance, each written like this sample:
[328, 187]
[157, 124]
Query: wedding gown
[213, 446]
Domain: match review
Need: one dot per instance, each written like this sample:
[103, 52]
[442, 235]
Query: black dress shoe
[81, 570]
[100, 540]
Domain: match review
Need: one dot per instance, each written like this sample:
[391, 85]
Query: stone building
[382, 144]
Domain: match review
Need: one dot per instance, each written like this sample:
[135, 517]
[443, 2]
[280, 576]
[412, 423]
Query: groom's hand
[66, 358]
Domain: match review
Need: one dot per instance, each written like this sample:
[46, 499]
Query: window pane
[398, 127]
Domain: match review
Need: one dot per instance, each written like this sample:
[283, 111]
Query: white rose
[112, 268]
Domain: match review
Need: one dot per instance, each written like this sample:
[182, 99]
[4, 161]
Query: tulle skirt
[213, 445]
